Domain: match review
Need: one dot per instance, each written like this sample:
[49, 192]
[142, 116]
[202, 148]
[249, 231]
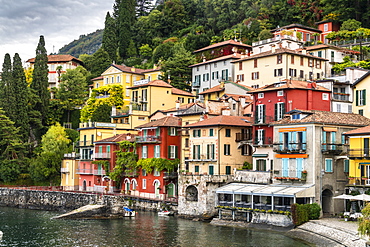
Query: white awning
[268, 190]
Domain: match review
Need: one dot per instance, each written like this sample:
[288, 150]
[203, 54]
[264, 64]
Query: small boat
[165, 213]
[128, 212]
[1, 235]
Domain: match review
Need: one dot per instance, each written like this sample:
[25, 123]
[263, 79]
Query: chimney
[304, 51]
[273, 48]
[226, 111]
[177, 105]
[242, 101]
[133, 69]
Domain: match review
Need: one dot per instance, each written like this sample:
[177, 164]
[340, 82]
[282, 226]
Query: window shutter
[276, 112]
[176, 152]
[285, 171]
[263, 112]
[281, 140]
[213, 151]
[194, 147]
[169, 152]
[346, 165]
[299, 167]
[357, 97]
[208, 154]
[364, 96]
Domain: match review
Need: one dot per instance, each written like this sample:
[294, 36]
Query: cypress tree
[125, 21]
[109, 42]
[4, 82]
[40, 83]
[20, 89]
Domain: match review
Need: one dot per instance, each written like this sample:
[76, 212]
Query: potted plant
[346, 217]
[304, 175]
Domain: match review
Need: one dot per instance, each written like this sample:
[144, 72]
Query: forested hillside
[85, 44]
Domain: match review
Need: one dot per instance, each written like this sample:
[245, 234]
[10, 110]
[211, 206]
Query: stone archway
[84, 185]
[191, 193]
[326, 204]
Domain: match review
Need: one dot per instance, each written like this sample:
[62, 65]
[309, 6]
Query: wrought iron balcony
[243, 137]
[149, 139]
[84, 171]
[196, 84]
[263, 120]
[102, 155]
[363, 153]
[332, 148]
[291, 147]
[341, 96]
[267, 141]
[170, 175]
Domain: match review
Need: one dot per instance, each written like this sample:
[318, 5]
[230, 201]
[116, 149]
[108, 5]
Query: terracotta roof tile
[293, 25]
[156, 83]
[322, 46]
[232, 56]
[181, 92]
[290, 84]
[222, 120]
[57, 58]
[326, 117]
[118, 138]
[227, 42]
[183, 107]
[163, 122]
[363, 130]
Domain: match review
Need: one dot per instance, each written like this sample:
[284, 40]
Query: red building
[272, 101]
[159, 139]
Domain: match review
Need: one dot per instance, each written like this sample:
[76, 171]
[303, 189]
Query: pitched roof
[155, 83]
[57, 58]
[97, 78]
[219, 88]
[163, 122]
[326, 117]
[290, 84]
[118, 138]
[363, 130]
[361, 78]
[236, 97]
[232, 56]
[279, 51]
[133, 70]
[182, 107]
[222, 120]
[181, 92]
[294, 25]
[322, 46]
[227, 42]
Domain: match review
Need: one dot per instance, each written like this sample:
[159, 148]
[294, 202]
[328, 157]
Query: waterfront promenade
[329, 232]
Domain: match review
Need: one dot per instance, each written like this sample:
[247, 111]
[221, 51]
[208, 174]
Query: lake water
[33, 228]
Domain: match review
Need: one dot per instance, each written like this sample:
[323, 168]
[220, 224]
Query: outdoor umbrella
[362, 197]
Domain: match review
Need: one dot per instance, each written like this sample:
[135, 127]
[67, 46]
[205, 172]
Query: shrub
[304, 213]
[315, 210]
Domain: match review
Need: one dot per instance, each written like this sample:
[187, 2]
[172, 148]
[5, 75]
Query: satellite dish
[99, 133]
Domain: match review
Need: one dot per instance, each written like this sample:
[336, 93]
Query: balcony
[332, 148]
[359, 181]
[102, 155]
[264, 120]
[85, 143]
[64, 170]
[170, 175]
[341, 96]
[84, 171]
[203, 157]
[243, 137]
[292, 147]
[196, 84]
[148, 139]
[102, 96]
[359, 153]
[130, 174]
[267, 141]
[72, 155]
[99, 172]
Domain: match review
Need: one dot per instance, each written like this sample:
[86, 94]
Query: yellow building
[218, 145]
[147, 98]
[69, 179]
[127, 77]
[277, 64]
[360, 94]
[359, 156]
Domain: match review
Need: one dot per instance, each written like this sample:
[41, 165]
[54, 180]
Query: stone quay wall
[66, 201]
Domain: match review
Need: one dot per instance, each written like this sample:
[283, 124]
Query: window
[186, 142]
[108, 149]
[318, 64]
[227, 133]
[172, 152]
[206, 66]
[255, 75]
[346, 166]
[279, 58]
[279, 111]
[278, 72]
[172, 131]
[293, 72]
[157, 151]
[260, 114]
[318, 76]
[328, 165]
[299, 167]
[144, 94]
[225, 74]
[360, 97]
[157, 173]
[144, 150]
[307, 37]
[226, 149]
[261, 95]
[112, 80]
[196, 133]
[280, 93]
[302, 60]
[240, 65]
[210, 132]
[260, 136]
[210, 170]
[215, 65]
[361, 112]
[210, 151]
[310, 62]
[196, 168]
[143, 172]
[261, 165]
[319, 53]
[292, 59]
[301, 74]
[196, 152]
[255, 63]
[246, 149]
[285, 167]
[106, 80]
[144, 183]
[228, 170]
[127, 92]
[325, 96]
[326, 27]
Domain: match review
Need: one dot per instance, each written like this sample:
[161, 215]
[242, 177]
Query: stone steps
[339, 236]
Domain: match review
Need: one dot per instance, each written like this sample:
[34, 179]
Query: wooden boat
[165, 213]
[128, 212]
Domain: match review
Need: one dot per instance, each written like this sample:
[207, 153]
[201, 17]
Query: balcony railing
[85, 143]
[84, 171]
[99, 172]
[341, 96]
[170, 175]
[263, 142]
[64, 170]
[196, 83]
[141, 139]
[359, 153]
[102, 96]
[72, 155]
[332, 148]
[263, 120]
[359, 181]
[292, 147]
[102, 155]
[203, 157]
[243, 137]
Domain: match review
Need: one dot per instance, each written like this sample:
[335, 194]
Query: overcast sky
[23, 21]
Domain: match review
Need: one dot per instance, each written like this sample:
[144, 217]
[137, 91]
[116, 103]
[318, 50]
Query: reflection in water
[23, 227]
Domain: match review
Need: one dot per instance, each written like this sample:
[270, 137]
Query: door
[171, 190]
[156, 188]
[211, 170]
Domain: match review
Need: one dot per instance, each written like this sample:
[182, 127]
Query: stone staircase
[324, 234]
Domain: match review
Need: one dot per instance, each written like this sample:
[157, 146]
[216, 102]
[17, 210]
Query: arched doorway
[157, 185]
[171, 190]
[84, 185]
[326, 204]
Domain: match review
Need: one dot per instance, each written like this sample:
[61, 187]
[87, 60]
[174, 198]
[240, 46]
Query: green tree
[73, 89]
[6, 79]
[109, 42]
[12, 158]
[265, 34]
[125, 20]
[350, 25]
[177, 69]
[97, 63]
[40, 85]
[364, 222]
[46, 166]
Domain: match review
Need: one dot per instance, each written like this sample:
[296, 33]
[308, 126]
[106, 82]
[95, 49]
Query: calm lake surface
[24, 227]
